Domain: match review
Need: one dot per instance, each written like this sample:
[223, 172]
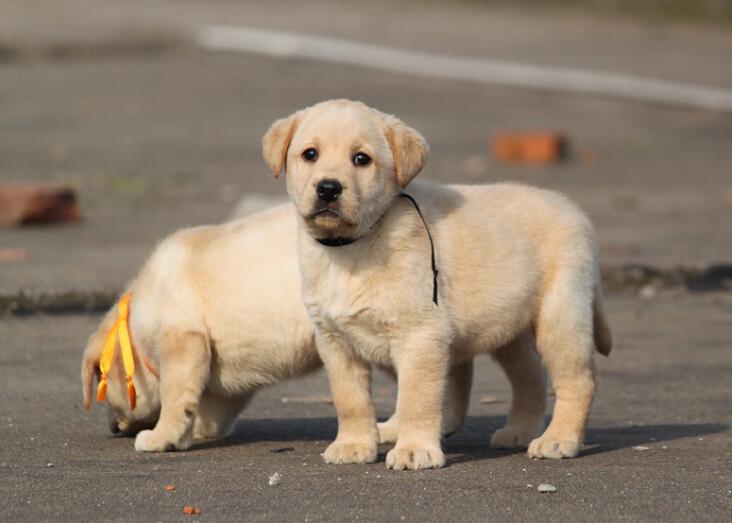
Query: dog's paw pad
[410, 458]
[511, 438]
[553, 448]
[339, 453]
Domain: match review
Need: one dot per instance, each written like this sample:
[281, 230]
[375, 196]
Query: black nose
[329, 190]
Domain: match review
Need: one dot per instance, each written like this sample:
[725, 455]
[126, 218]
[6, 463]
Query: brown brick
[530, 148]
[32, 203]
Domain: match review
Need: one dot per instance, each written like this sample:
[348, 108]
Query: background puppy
[216, 314]
[517, 269]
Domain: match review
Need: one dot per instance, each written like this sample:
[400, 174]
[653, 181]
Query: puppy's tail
[603, 337]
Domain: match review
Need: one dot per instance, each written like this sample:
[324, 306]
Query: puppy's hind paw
[548, 447]
[409, 458]
[512, 438]
[388, 431]
[340, 453]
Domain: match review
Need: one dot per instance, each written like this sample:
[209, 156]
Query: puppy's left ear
[277, 140]
[409, 148]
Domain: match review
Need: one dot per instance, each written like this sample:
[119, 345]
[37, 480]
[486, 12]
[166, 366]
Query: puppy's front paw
[148, 441]
[339, 453]
[512, 438]
[145, 441]
[388, 430]
[413, 458]
[553, 448]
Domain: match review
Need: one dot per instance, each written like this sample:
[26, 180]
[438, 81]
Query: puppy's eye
[310, 155]
[361, 159]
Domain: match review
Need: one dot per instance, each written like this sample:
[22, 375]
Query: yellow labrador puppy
[517, 269]
[215, 315]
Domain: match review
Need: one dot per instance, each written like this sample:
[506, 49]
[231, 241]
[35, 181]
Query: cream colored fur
[518, 273]
[218, 311]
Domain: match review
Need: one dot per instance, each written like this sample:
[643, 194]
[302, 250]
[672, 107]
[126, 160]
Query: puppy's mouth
[328, 220]
[325, 211]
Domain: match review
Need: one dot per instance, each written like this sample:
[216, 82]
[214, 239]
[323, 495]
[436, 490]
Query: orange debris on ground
[530, 148]
[190, 510]
[37, 203]
[170, 488]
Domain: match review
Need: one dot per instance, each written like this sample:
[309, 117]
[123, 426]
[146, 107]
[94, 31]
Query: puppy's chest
[358, 307]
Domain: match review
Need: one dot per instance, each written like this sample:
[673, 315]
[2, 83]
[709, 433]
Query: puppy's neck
[393, 229]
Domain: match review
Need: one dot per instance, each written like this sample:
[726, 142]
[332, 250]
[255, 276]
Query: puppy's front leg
[184, 364]
[350, 379]
[421, 371]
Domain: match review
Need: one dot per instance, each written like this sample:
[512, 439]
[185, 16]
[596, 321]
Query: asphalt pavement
[156, 134]
[658, 446]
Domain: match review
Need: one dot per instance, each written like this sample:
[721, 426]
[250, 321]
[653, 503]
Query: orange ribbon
[119, 331]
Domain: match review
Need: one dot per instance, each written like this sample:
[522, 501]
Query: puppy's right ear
[89, 369]
[277, 140]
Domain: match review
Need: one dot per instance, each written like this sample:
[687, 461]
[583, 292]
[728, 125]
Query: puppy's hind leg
[216, 414]
[565, 341]
[455, 405]
[389, 429]
[526, 374]
[184, 370]
[457, 396]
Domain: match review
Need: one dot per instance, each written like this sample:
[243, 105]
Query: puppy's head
[120, 417]
[344, 163]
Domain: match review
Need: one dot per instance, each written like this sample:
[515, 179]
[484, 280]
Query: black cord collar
[338, 241]
[341, 241]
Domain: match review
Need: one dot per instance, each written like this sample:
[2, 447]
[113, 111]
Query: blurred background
[125, 103]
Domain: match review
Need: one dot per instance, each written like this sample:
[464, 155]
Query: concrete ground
[114, 99]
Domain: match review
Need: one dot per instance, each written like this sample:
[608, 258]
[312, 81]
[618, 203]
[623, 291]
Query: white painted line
[294, 45]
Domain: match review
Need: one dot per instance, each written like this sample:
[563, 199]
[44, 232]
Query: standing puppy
[215, 315]
[517, 270]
